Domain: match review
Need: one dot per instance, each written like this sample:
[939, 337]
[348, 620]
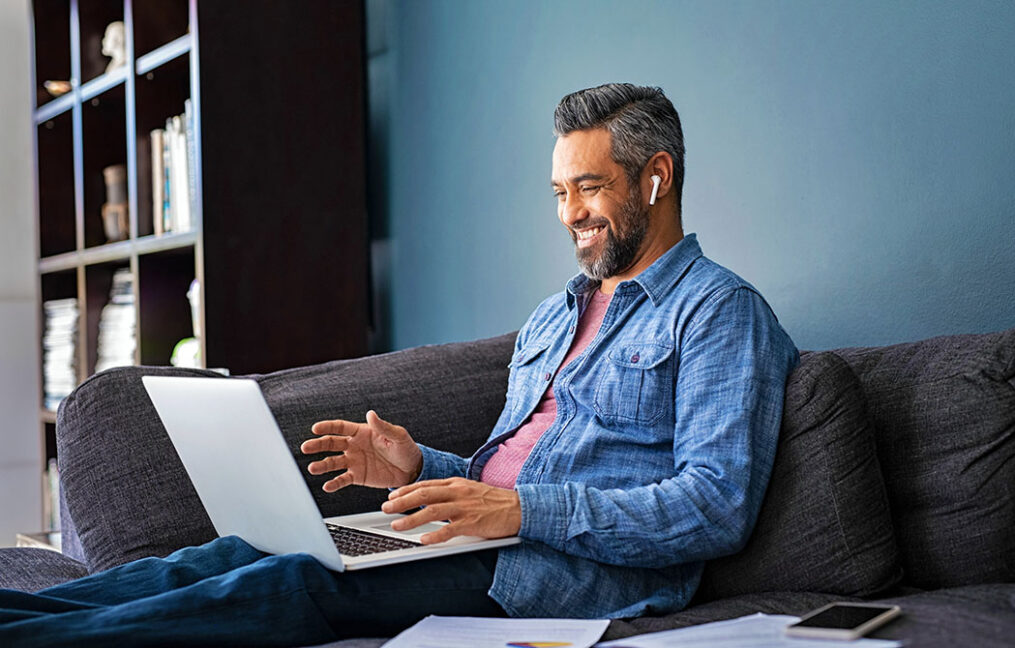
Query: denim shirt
[662, 447]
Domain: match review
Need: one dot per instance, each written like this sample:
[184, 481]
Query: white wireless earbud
[655, 189]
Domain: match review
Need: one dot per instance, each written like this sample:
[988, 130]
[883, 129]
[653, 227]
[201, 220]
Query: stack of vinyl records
[118, 324]
[59, 350]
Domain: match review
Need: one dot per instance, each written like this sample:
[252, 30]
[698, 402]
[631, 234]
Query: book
[174, 174]
[179, 199]
[118, 324]
[191, 136]
[167, 212]
[158, 181]
[59, 350]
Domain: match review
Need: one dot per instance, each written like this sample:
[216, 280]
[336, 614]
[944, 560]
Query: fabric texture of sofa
[894, 479]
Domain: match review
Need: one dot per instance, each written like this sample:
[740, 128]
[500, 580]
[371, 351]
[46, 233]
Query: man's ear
[660, 164]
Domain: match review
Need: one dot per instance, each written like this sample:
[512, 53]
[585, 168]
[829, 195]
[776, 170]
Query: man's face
[601, 210]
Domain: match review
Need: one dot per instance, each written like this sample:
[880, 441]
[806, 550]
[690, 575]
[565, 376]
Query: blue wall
[854, 160]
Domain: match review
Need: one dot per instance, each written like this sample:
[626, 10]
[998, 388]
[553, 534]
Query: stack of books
[174, 174]
[59, 350]
[118, 324]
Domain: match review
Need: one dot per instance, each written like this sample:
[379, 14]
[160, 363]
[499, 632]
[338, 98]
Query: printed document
[754, 631]
[478, 632]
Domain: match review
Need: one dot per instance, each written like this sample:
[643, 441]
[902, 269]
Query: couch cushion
[130, 497]
[30, 569]
[974, 615]
[944, 411]
[795, 603]
[447, 396]
[824, 525]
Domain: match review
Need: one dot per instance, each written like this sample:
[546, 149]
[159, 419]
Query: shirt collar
[656, 280]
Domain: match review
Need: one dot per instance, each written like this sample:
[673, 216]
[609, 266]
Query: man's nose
[573, 211]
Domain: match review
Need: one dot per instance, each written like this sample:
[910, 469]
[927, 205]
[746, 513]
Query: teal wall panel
[854, 160]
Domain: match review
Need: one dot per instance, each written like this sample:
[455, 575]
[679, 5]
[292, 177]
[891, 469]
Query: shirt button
[571, 330]
[547, 376]
[635, 358]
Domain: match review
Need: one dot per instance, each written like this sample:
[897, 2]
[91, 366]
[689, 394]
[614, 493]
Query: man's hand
[473, 508]
[375, 453]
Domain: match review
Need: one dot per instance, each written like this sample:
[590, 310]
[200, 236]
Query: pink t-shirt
[503, 467]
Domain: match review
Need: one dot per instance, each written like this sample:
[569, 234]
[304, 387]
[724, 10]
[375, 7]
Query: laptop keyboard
[356, 542]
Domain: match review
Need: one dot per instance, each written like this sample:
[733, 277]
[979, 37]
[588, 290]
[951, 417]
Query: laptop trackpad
[425, 528]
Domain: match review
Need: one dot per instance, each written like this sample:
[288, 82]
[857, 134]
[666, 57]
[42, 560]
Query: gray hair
[640, 119]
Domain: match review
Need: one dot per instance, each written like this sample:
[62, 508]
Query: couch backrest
[127, 493]
[944, 414]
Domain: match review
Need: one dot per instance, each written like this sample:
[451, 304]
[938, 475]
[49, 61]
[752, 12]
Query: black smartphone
[843, 620]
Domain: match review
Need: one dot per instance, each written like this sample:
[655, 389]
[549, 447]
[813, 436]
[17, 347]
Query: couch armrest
[129, 496]
[28, 569]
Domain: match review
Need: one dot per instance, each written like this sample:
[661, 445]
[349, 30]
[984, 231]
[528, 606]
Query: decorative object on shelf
[114, 211]
[57, 88]
[187, 352]
[194, 297]
[59, 350]
[114, 45]
[118, 324]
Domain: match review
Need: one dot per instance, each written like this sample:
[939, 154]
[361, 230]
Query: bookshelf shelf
[273, 176]
[119, 251]
[55, 107]
[163, 55]
[101, 84]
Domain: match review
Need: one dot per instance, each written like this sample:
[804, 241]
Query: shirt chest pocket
[527, 372]
[636, 384]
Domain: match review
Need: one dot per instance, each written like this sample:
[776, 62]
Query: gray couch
[894, 479]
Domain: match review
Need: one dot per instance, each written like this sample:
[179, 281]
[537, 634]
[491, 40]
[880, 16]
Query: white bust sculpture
[114, 44]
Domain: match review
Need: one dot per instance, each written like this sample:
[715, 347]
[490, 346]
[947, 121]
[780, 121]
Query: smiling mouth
[586, 237]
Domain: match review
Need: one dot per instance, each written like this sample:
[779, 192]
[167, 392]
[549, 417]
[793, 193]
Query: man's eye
[558, 194]
[591, 188]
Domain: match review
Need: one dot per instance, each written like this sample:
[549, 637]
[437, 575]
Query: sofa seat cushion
[29, 569]
[973, 615]
[824, 525]
[795, 603]
[944, 412]
[976, 615]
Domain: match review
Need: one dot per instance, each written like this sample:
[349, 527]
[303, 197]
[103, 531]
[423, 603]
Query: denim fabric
[228, 593]
[664, 440]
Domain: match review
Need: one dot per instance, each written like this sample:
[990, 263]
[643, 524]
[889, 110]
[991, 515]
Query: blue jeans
[228, 593]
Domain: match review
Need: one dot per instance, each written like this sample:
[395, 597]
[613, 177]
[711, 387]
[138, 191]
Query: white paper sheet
[477, 632]
[753, 631]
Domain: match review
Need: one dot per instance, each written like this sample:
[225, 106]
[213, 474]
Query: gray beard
[619, 250]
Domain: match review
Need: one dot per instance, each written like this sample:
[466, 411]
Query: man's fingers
[429, 514]
[332, 485]
[328, 464]
[411, 488]
[443, 534]
[336, 427]
[325, 444]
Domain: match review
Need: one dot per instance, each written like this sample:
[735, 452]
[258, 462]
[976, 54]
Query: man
[636, 441]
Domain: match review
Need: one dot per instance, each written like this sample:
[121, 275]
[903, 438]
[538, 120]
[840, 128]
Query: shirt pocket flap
[529, 352]
[640, 355]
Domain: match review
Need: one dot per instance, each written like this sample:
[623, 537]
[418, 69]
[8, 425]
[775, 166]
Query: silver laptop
[251, 486]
